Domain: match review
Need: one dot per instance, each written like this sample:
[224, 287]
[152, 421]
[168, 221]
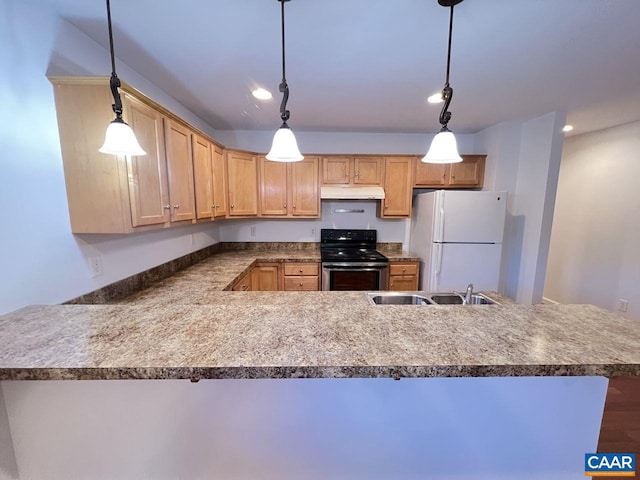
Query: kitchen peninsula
[296, 368]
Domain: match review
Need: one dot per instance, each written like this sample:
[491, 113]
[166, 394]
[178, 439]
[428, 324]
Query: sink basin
[397, 298]
[479, 299]
[446, 299]
[458, 299]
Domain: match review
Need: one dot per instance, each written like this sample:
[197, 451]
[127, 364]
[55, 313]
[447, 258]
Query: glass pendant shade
[120, 140]
[284, 147]
[444, 149]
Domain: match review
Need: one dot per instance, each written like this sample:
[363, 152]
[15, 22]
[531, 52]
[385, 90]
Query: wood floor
[620, 430]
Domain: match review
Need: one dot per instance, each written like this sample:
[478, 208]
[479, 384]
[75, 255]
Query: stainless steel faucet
[467, 297]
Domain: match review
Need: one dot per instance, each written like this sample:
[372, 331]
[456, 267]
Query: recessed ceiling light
[261, 94]
[567, 128]
[435, 98]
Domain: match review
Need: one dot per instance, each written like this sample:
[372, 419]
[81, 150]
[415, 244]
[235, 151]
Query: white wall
[595, 242]
[523, 158]
[343, 142]
[42, 262]
[8, 467]
[273, 230]
[501, 428]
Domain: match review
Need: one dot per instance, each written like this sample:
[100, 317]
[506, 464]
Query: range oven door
[354, 276]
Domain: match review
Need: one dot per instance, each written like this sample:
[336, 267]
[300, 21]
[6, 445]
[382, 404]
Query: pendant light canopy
[444, 148]
[119, 138]
[284, 147]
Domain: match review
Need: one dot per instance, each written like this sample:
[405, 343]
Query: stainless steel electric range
[350, 260]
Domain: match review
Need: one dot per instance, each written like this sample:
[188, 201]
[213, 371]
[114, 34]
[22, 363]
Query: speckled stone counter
[312, 334]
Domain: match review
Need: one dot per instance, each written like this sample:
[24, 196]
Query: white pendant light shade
[120, 140]
[444, 149]
[284, 147]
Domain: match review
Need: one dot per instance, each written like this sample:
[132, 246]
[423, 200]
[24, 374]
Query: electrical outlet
[623, 305]
[253, 231]
[193, 239]
[313, 232]
[96, 266]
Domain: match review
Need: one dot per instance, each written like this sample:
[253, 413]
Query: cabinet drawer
[301, 283]
[403, 269]
[301, 269]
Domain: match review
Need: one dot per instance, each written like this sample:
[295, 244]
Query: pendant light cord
[114, 82]
[447, 91]
[284, 88]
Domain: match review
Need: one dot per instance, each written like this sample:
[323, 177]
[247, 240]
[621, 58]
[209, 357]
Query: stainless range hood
[351, 193]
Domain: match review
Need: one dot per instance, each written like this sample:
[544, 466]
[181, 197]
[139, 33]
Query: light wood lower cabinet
[301, 276]
[243, 284]
[398, 187]
[290, 190]
[404, 276]
[265, 277]
[242, 175]
[467, 174]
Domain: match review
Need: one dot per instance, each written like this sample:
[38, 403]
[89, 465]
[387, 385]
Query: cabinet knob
[404, 269]
[294, 206]
[232, 206]
[453, 176]
[167, 207]
[300, 270]
[301, 284]
[284, 206]
[176, 206]
[356, 174]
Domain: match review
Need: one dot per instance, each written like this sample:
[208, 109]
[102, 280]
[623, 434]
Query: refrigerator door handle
[438, 248]
[441, 236]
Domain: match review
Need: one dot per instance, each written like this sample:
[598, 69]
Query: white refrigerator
[458, 236]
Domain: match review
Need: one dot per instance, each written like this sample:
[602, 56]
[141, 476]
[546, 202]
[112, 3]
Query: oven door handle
[364, 267]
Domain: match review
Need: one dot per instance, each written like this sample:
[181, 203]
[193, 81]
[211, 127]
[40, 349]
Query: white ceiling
[368, 65]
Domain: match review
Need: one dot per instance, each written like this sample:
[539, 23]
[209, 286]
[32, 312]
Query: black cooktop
[340, 245]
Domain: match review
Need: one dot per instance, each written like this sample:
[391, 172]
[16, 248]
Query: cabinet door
[242, 171]
[368, 170]
[180, 169]
[305, 187]
[469, 172]
[244, 284]
[398, 187]
[336, 170]
[430, 174]
[203, 176]
[147, 174]
[273, 188]
[219, 183]
[264, 278]
[403, 283]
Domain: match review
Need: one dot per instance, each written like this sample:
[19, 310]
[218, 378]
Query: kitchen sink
[397, 298]
[420, 298]
[458, 299]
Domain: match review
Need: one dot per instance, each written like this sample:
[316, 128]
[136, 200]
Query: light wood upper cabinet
[147, 174]
[361, 170]
[398, 187]
[180, 169]
[290, 189]
[219, 183]
[368, 170]
[467, 174]
[273, 188]
[304, 181]
[336, 170]
[203, 173]
[242, 174]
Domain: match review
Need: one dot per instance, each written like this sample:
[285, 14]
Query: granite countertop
[187, 326]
